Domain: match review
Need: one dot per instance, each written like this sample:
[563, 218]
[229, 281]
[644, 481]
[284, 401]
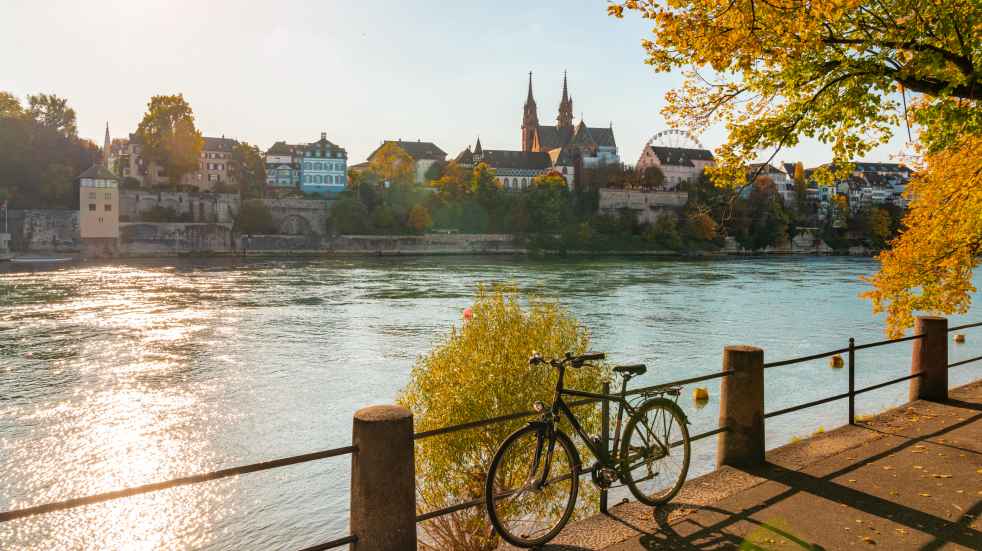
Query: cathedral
[564, 148]
[593, 145]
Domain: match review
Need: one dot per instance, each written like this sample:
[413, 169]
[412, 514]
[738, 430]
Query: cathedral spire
[105, 148]
[530, 120]
[477, 146]
[565, 118]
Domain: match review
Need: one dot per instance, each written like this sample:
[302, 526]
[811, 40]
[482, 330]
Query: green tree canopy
[169, 136]
[249, 170]
[255, 218]
[53, 112]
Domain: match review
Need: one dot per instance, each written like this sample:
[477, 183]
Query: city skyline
[428, 72]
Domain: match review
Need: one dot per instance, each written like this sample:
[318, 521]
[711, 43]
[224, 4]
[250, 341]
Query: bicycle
[531, 486]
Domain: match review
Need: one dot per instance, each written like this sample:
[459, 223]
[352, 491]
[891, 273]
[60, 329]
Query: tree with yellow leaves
[929, 267]
[393, 164]
[840, 71]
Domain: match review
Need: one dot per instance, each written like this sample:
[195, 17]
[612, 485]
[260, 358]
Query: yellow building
[98, 216]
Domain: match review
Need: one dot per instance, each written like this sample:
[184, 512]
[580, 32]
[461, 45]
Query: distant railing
[924, 365]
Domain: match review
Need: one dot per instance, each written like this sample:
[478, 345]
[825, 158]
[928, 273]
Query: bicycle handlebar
[569, 359]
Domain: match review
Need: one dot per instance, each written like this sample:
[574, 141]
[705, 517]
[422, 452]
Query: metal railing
[851, 349]
[14, 514]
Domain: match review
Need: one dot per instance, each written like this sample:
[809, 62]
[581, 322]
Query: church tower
[565, 118]
[105, 149]
[530, 120]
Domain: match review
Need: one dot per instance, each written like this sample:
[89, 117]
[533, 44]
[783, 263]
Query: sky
[363, 72]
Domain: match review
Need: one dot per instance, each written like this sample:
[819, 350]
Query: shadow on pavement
[706, 527]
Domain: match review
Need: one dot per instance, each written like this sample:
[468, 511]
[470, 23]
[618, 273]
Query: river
[113, 375]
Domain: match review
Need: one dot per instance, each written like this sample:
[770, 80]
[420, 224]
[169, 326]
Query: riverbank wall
[44, 230]
[302, 225]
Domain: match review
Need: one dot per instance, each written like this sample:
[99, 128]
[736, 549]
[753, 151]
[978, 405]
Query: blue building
[323, 167]
[282, 167]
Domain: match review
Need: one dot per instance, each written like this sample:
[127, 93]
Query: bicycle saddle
[636, 369]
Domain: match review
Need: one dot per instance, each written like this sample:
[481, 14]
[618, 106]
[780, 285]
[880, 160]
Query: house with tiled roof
[424, 155]
[677, 164]
[126, 156]
[323, 167]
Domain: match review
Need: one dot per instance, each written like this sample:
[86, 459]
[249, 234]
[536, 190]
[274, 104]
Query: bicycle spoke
[526, 511]
[654, 462]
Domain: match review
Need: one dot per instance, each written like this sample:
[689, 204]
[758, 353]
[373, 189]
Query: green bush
[255, 218]
[481, 370]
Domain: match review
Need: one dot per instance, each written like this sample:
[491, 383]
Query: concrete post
[930, 357]
[383, 480]
[741, 408]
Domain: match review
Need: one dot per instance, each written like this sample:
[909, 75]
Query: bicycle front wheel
[655, 452]
[529, 495]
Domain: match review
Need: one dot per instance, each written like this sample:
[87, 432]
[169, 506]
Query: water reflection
[117, 375]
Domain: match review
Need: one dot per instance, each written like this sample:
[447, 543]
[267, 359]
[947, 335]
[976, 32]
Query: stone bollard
[383, 480]
[741, 408]
[930, 357]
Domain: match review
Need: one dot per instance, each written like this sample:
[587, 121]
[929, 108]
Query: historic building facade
[565, 147]
[125, 158]
[282, 166]
[323, 167]
[677, 164]
[590, 146]
[514, 169]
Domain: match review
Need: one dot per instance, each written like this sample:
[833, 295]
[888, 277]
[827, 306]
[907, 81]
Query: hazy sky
[361, 71]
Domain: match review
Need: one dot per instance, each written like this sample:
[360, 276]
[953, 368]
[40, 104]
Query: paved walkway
[910, 478]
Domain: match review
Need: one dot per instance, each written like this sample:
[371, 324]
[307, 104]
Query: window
[109, 208]
[92, 207]
[109, 196]
[92, 195]
[306, 166]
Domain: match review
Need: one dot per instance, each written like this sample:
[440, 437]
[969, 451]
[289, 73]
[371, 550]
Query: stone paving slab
[910, 478]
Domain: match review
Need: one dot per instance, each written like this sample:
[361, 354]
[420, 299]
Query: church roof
[604, 137]
[97, 172]
[526, 160]
[418, 150]
[551, 137]
[680, 156]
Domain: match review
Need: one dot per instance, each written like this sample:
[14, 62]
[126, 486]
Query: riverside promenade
[909, 478]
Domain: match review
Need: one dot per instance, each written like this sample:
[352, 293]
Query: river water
[121, 374]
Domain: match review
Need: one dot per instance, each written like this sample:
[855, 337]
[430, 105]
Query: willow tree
[847, 73]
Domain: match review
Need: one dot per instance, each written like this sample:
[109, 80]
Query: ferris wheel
[674, 137]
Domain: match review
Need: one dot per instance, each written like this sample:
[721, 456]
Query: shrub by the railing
[481, 369]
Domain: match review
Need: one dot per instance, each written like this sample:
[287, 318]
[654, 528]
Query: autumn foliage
[929, 267]
[479, 370]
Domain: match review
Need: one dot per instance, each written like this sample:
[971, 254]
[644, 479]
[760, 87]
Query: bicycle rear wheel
[655, 451]
[523, 512]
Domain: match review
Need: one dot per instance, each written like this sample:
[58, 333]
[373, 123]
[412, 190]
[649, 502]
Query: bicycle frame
[606, 457]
